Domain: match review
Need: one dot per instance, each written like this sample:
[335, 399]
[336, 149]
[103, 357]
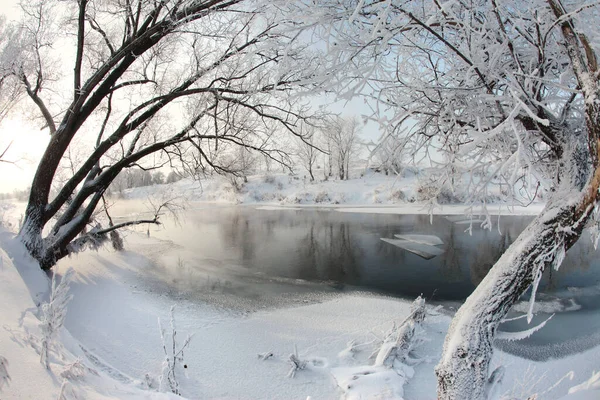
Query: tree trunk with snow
[125, 87]
[463, 370]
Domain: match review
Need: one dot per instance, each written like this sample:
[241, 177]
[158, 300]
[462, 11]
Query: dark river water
[344, 251]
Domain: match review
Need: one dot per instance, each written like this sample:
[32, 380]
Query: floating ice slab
[461, 220]
[431, 240]
[422, 250]
[277, 208]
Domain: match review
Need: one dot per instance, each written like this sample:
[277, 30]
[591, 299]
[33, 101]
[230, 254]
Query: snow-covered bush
[270, 179]
[174, 357]
[53, 313]
[430, 191]
[76, 371]
[397, 196]
[322, 197]
[403, 339]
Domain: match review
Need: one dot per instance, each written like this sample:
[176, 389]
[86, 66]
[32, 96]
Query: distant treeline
[132, 178]
[127, 179]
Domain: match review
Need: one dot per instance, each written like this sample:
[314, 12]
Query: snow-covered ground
[110, 345]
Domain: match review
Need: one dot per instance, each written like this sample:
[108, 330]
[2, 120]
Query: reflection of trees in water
[329, 251]
[478, 253]
[488, 252]
[580, 255]
[450, 260]
[308, 246]
[238, 232]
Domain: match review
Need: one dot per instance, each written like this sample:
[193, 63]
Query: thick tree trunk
[463, 370]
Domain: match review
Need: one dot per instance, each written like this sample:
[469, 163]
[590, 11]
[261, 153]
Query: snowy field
[110, 345]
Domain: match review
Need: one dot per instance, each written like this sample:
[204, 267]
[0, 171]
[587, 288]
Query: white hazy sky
[28, 141]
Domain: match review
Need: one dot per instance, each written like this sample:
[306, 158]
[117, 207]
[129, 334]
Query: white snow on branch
[54, 312]
[513, 336]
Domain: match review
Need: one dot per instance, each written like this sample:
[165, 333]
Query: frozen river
[251, 253]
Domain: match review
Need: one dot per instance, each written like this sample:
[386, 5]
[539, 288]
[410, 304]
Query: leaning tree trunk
[463, 370]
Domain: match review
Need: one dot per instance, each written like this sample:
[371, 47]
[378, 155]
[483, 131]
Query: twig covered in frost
[265, 356]
[4, 376]
[296, 363]
[53, 313]
[513, 336]
[399, 344]
[76, 371]
[173, 356]
[494, 380]
[66, 391]
[591, 384]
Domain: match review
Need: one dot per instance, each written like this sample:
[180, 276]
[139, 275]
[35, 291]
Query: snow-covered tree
[342, 136]
[307, 151]
[145, 84]
[503, 91]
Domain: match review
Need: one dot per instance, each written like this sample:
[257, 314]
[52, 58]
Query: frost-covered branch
[174, 356]
[53, 313]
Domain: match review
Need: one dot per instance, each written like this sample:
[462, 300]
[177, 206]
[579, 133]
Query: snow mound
[70, 374]
[366, 382]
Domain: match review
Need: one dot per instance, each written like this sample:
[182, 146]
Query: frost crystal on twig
[174, 357]
[53, 313]
[295, 363]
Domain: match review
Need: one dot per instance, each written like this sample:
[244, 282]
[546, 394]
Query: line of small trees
[334, 146]
[132, 178]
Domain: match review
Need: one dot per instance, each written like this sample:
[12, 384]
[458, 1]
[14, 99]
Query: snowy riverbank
[410, 193]
[111, 332]
[111, 328]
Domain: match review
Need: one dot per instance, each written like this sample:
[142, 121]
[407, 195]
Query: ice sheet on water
[461, 220]
[422, 250]
[431, 240]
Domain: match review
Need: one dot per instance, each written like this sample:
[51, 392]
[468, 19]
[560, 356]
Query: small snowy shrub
[270, 179]
[404, 338]
[339, 198]
[53, 313]
[174, 359]
[322, 197]
[397, 195]
[4, 376]
[76, 371]
[298, 198]
[443, 195]
[296, 364]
